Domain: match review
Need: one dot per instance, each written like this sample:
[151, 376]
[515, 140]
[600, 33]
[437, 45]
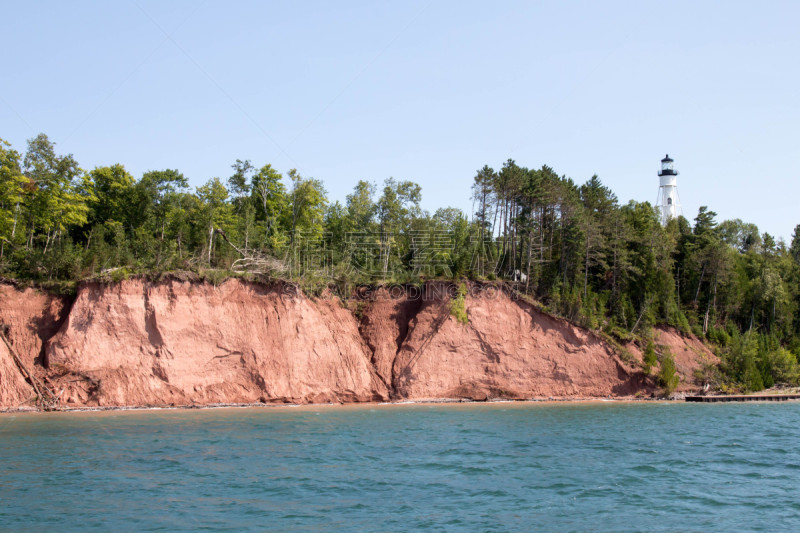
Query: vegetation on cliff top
[571, 246]
[458, 305]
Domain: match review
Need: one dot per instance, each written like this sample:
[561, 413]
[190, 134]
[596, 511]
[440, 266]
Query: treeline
[571, 246]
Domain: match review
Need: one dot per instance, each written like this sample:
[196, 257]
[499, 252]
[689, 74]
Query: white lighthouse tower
[668, 202]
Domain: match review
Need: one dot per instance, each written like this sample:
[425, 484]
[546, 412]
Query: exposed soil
[188, 343]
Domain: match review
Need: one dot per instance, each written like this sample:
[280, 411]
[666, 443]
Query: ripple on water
[508, 467]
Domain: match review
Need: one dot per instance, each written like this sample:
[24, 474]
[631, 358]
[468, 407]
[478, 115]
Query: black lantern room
[667, 169]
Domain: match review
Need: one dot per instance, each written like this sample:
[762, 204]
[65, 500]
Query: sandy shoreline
[353, 405]
[679, 398]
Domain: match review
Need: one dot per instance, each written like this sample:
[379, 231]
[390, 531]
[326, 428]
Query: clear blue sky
[421, 90]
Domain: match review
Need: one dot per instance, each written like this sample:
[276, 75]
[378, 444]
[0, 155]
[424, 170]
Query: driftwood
[46, 399]
[251, 260]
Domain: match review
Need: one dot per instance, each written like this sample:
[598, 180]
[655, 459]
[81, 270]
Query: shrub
[741, 362]
[668, 377]
[119, 274]
[650, 359]
[214, 277]
[458, 305]
[781, 366]
[718, 336]
[679, 321]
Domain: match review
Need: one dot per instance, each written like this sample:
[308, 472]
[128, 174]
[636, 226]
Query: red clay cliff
[177, 342]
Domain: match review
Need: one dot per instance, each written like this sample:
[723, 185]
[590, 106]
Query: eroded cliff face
[31, 318]
[183, 343]
[508, 350]
[691, 356]
[28, 319]
[14, 390]
[174, 342]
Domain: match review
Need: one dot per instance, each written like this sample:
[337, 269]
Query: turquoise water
[483, 467]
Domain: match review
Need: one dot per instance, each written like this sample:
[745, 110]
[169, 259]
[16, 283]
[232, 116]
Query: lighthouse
[668, 202]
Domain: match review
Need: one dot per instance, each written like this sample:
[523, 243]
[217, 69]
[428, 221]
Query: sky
[428, 91]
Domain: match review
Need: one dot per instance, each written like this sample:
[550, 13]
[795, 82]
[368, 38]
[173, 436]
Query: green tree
[56, 202]
[269, 193]
[396, 209]
[361, 207]
[307, 201]
[650, 359]
[12, 194]
[794, 250]
[598, 204]
[216, 212]
[158, 195]
[112, 195]
[482, 191]
[239, 182]
[740, 235]
[668, 378]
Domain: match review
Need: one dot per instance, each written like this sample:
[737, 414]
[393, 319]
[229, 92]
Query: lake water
[482, 467]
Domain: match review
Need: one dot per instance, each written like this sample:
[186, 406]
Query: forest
[571, 246]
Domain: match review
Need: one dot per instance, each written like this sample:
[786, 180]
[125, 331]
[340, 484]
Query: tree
[795, 248]
[740, 235]
[158, 194]
[650, 359]
[270, 194]
[239, 183]
[112, 195]
[12, 194]
[482, 190]
[307, 201]
[213, 196]
[668, 376]
[57, 202]
[361, 206]
[598, 203]
[741, 361]
[396, 208]
[508, 183]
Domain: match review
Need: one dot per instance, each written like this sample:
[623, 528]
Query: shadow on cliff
[405, 372]
[46, 325]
